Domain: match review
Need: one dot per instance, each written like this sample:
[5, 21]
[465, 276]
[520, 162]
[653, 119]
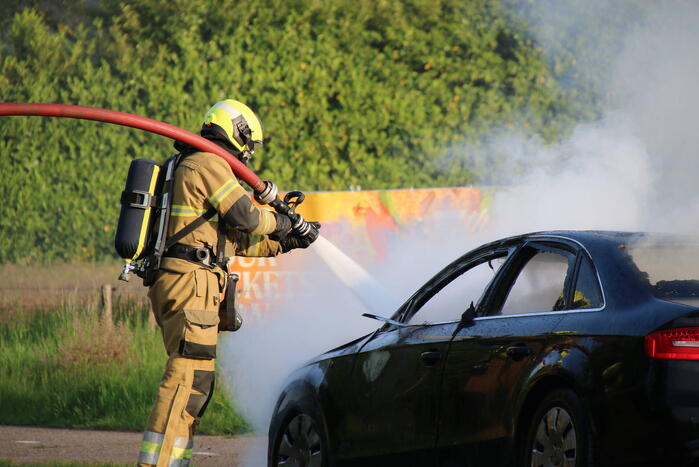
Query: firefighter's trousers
[186, 309]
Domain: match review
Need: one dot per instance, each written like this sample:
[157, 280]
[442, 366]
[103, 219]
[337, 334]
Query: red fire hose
[266, 191]
[134, 121]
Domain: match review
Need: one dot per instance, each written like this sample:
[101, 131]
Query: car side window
[587, 293]
[540, 285]
[455, 297]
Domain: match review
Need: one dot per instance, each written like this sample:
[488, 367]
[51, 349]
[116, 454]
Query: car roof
[590, 235]
[584, 237]
[587, 237]
[614, 238]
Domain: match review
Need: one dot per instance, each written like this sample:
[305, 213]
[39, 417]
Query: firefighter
[212, 217]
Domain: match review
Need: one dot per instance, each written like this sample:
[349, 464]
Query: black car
[546, 349]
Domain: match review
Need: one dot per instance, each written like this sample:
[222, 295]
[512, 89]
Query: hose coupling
[268, 194]
[300, 226]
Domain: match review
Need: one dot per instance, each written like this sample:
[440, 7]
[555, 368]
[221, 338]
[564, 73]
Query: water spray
[373, 295]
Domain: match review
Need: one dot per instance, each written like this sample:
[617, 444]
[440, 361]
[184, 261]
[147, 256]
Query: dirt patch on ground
[31, 444]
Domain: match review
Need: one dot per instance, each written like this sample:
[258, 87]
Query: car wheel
[558, 433]
[299, 442]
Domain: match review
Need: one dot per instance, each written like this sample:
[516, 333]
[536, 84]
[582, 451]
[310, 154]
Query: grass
[9, 463]
[63, 366]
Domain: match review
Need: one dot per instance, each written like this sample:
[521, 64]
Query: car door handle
[518, 352]
[431, 357]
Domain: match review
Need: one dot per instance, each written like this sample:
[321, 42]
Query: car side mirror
[468, 319]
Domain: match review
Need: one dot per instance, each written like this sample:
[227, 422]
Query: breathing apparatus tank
[144, 218]
[138, 206]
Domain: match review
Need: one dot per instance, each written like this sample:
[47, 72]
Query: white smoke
[656, 77]
[633, 169]
[603, 184]
[256, 359]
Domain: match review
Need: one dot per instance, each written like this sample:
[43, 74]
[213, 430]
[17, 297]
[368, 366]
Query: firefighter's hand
[293, 241]
[313, 233]
[283, 226]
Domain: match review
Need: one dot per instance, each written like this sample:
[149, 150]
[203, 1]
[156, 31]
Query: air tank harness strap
[221, 259]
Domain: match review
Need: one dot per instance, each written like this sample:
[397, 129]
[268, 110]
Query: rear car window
[670, 269]
[587, 293]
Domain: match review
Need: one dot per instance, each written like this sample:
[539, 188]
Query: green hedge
[368, 93]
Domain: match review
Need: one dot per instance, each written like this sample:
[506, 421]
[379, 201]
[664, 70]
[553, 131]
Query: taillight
[675, 344]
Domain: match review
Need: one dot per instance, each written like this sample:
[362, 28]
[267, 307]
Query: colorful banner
[361, 224]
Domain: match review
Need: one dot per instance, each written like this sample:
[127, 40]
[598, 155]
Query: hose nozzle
[287, 206]
[299, 225]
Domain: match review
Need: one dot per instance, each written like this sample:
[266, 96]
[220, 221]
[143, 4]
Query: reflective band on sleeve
[222, 192]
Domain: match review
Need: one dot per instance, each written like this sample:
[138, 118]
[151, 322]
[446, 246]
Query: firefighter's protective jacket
[202, 181]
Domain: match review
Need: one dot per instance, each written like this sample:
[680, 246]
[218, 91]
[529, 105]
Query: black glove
[283, 227]
[293, 241]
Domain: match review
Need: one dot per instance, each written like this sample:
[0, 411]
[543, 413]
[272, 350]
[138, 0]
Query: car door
[397, 375]
[394, 405]
[487, 361]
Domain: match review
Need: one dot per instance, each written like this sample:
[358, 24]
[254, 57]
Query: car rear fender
[560, 367]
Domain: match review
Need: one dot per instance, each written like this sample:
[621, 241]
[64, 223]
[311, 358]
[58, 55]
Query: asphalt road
[31, 444]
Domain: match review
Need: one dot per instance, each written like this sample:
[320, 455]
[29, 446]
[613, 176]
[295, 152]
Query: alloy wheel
[554, 444]
[300, 444]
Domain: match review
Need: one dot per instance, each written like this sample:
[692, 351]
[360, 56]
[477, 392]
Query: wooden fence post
[151, 320]
[107, 305]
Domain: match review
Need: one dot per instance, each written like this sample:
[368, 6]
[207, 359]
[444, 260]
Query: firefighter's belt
[203, 256]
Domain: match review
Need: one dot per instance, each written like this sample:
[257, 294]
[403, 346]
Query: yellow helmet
[237, 125]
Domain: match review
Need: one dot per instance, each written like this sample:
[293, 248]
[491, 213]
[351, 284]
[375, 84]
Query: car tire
[559, 433]
[298, 438]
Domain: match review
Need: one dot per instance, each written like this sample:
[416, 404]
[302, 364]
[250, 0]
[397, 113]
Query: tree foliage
[362, 93]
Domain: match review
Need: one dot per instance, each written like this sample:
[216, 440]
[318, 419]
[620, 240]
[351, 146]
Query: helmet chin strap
[245, 156]
[248, 150]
